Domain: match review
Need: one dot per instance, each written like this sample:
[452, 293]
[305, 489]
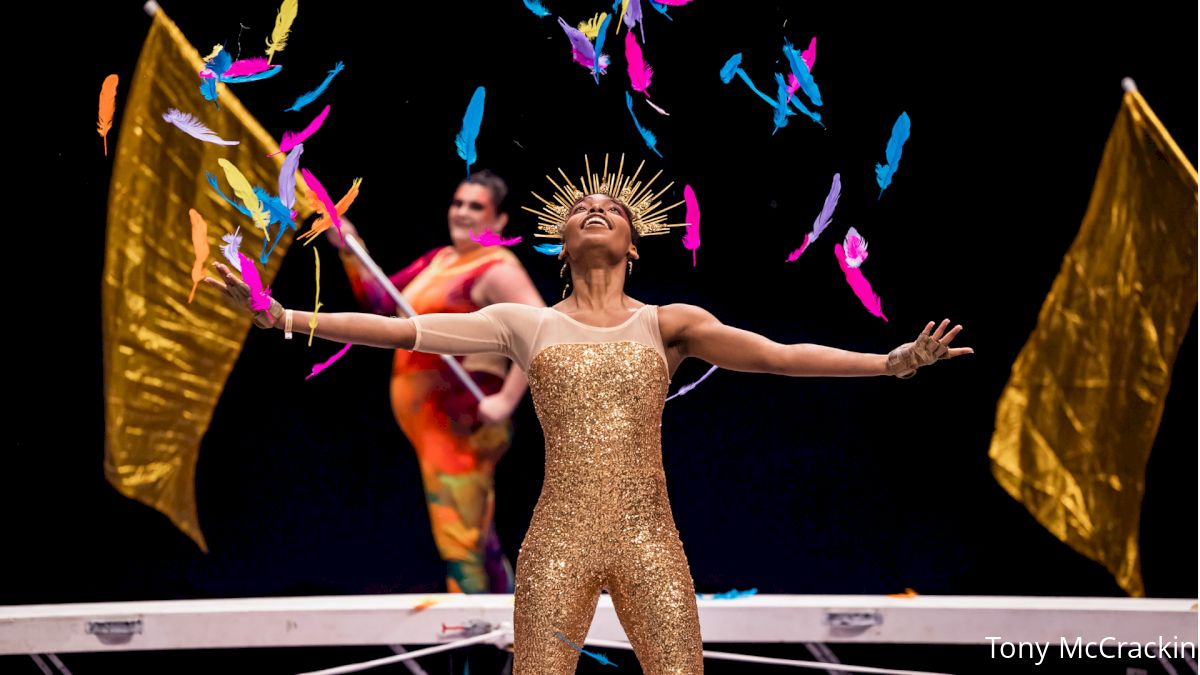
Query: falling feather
[691, 234]
[193, 127]
[108, 108]
[200, 247]
[849, 258]
[287, 176]
[640, 72]
[599, 49]
[884, 172]
[823, 218]
[688, 387]
[465, 141]
[243, 191]
[318, 367]
[591, 27]
[537, 8]
[601, 658]
[647, 135]
[242, 79]
[233, 242]
[548, 249]
[283, 26]
[807, 84]
[305, 99]
[260, 298]
[312, 320]
[292, 139]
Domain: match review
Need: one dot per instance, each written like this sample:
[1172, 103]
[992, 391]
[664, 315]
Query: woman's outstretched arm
[696, 332]
[359, 328]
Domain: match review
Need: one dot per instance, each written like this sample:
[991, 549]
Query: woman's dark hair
[495, 184]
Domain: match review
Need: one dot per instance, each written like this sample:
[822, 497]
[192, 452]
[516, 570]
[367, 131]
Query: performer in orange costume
[458, 442]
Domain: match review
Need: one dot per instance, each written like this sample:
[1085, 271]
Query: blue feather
[208, 89]
[537, 7]
[595, 655]
[884, 172]
[661, 9]
[252, 78]
[731, 67]
[782, 110]
[279, 214]
[647, 135]
[599, 46]
[313, 95]
[220, 63]
[548, 249]
[807, 84]
[465, 141]
[212, 180]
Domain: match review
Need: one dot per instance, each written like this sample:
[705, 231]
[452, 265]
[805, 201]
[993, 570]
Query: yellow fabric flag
[1075, 424]
[165, 361]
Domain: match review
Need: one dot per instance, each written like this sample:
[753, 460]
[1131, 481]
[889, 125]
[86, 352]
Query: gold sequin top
[598, 391]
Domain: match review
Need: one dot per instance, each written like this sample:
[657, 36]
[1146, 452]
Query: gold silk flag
[165, 361]
[1075, 424]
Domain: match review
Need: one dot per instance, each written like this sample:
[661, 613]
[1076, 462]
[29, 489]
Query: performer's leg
[558, 586]
[653, 594]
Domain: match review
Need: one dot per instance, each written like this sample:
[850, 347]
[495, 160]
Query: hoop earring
[563, 274]
[630, 266]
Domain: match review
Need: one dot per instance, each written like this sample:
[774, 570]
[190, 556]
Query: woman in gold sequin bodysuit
[599, 364]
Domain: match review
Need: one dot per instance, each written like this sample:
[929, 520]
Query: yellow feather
[624, 6]
[591, 27]
[283, 25]
[241, 188]
[216, 50]
[312, 320]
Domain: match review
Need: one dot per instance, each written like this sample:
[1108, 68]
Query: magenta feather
[640, 72]
[691, 233]
[489, 238]
[292, 139]
[260, 298]
[247, 67]
[323, 195]
[318, 367]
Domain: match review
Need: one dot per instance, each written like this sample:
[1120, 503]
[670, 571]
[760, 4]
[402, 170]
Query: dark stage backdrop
[787, 485]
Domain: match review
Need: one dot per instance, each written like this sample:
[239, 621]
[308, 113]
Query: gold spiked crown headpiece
[649, 214]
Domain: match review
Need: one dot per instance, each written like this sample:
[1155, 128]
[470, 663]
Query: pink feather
[318, 367]
[247, 67]
[640, 72]
[260, 298]
[793, 85]
[691, 233]
[319, 191]
[658, 109]
[795, 255]
[292, 139]
[489, 238]
[856, 248]
[859, 284]
[809, 56]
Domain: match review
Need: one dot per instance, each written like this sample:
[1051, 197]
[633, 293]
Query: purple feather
[191, 126]
[826, 215]
[287, 176]
[633, 15]
[579, 42]
[688, 387]
[823, 219]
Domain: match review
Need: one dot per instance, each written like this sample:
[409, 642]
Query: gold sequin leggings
[618, 536]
